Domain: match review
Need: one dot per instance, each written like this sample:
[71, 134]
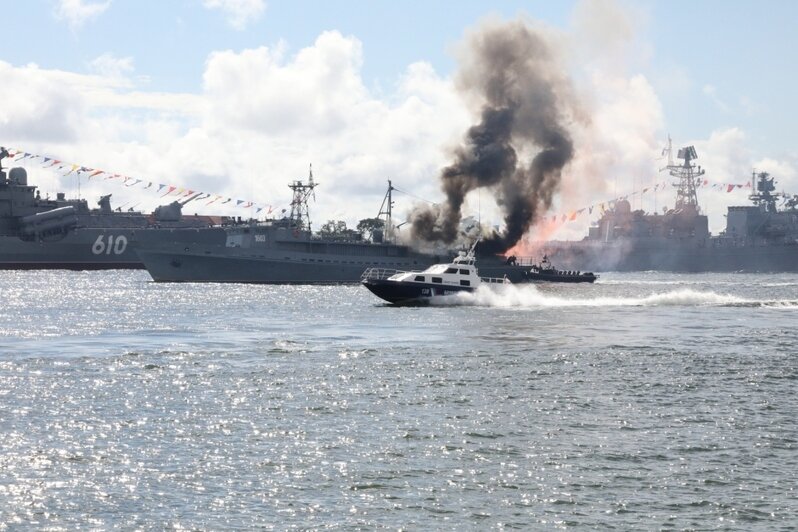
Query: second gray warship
[275, 251]
[60, 233]
[760, 237]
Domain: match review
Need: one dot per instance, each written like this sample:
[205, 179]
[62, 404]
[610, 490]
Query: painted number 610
[110, 245]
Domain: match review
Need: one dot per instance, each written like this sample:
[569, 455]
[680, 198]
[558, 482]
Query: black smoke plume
[521, 143]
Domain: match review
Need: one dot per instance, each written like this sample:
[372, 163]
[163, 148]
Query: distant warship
[283, 250]
[62, 233]
[758, 237]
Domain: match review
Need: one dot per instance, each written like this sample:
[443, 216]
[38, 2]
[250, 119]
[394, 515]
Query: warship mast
[763, 197]
[688, 174]
[300, 213]
[385, 208]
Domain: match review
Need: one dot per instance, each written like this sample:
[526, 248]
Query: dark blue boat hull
[410, 293]
[531, 277]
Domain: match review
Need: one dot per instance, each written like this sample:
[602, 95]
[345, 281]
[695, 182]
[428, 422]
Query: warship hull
[255, 254]
[708, 255]
[79, 249]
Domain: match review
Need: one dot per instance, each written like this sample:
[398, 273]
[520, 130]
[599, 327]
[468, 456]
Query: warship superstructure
[757, 238]
[61, 233]
[276, 251]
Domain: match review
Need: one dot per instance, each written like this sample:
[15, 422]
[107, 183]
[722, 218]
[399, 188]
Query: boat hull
[410, 293]
[534, 277]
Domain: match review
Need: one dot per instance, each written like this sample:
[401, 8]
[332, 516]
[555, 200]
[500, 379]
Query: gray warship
[278, 251]
[761, 237]
[60, 233]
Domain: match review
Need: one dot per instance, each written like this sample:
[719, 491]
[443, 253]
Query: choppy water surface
[644, 401]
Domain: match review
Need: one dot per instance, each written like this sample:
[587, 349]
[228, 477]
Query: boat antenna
[386, 208]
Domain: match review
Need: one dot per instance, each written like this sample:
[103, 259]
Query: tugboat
[545, 272]
[419, 287]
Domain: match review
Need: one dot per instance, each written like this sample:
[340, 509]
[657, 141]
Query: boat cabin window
[465, 282]
[437, 280]
[436, 269]
[451, 270]
[464, 272]
[420, 278]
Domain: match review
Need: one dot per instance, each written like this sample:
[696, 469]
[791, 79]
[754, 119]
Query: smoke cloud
[521, 143]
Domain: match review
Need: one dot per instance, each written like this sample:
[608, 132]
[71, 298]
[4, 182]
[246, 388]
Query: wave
[528, 296]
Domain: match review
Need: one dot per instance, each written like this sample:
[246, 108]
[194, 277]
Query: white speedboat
[419, 287]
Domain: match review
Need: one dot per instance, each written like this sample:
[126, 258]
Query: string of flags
[184, 193]
[163, 189]
[604, 206]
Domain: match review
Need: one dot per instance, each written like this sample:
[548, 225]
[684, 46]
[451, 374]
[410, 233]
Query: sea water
[643, 401]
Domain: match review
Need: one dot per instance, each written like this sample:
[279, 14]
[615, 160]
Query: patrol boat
[419, 287]
[545, 272]
[61, 233]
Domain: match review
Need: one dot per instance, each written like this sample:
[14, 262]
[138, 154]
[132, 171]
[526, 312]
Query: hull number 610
[109, 244]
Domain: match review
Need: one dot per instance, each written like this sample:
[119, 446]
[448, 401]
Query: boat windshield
[437, 268]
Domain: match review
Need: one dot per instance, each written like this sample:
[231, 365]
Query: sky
[237, 98]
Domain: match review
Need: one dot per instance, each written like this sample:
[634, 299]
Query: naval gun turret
[172, 212]
[105, 204]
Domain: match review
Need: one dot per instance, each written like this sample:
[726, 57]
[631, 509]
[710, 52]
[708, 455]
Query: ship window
[437, 280]
[464, 282]
[420, 278]
[464, 272]
[451, 270]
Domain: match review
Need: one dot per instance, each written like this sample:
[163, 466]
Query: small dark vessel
[545, 272]
[419, 287]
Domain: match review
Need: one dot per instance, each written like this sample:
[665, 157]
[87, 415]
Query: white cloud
[262, 117]
[314, 91]
[711, 92]
[77, 12]
[40, 105]
[239, 12]
[109, 66]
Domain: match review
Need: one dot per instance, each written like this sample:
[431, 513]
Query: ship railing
[521, 261]
[377, 274]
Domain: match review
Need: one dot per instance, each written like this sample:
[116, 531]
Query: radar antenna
[300, 213]
[764, 186]
[688, 174]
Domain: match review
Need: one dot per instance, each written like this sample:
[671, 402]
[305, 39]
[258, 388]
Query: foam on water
[528, 296]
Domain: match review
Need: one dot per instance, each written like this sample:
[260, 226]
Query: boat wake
[528, 296]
